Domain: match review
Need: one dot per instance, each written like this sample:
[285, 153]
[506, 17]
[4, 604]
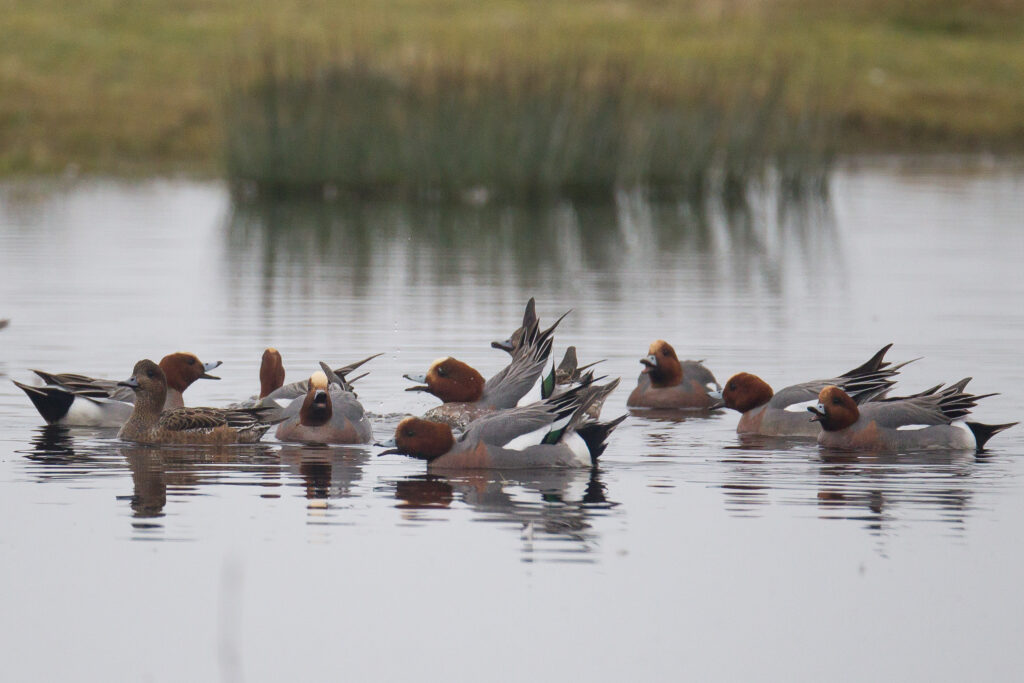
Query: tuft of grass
[513, 130]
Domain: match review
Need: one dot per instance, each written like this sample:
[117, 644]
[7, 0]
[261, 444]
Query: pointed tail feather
[983, 432]
[873, 365]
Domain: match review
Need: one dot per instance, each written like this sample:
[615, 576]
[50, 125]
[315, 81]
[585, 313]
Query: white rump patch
[802, 407]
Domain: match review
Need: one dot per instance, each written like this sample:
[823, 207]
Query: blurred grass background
[125, 87]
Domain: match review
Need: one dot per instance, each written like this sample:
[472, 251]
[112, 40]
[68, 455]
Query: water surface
[687, 553]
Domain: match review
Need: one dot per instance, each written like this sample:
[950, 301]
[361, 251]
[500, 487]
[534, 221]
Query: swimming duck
[784, 413]
[929, 420]
[77, 400]
[272, 386]
[465, 394]
[151, 423]
[328, 413]
[667, 382]
[550, 433]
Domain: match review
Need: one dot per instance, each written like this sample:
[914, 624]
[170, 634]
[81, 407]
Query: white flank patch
[802, 407]
[912, 428]
[534, 438]
[578, 447]
[86, 413]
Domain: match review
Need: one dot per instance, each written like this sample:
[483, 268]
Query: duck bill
[817, 414]
[650, 363]
[390, 444]
[421, 381]
[505, 346]
[210, 366]
[131, 383]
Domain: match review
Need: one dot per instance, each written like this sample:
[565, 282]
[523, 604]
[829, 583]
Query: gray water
[686, 554]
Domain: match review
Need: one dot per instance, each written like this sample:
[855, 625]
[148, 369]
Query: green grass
[123, 87]
[516, 130]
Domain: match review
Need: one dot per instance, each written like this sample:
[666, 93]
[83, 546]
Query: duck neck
[174, 399]
[144, 416]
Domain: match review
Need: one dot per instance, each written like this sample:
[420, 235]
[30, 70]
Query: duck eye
[150, 374]
[441, 371]
[835, 400]
[732, 386]
[410, 433]
[191, 361]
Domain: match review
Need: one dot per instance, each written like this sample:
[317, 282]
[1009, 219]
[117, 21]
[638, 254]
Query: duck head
[835, 409]
[515, 341]
[450, 380]
[419, 438]
[745, 391]
[662, 365]
[148, 382]
[182, 369]
[271, 372]
[316, 407]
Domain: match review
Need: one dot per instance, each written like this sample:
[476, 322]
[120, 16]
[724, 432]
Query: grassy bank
[139, 87]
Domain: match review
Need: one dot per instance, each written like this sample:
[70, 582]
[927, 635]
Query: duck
[328, 414]
[274, 390]
[72, 399]
[667, 382]
[768, 413]
[466, 396]
[515, 340]
[932, 419]
[546, 434]
[151, 423]
[518, 341]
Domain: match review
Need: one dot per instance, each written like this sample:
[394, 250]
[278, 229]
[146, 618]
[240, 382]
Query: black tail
[982, 432]
[52, 403]
[595, 435]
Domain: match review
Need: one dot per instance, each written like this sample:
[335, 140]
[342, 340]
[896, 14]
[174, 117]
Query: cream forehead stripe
[318, 380]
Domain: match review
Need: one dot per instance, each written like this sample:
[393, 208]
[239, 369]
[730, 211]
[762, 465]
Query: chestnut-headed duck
[465, 394]
[550, 433]
[328, 413]
[274, 390]
[931, 419]
[667, 382]
[784, 413]
[150, 423]
[76, 400]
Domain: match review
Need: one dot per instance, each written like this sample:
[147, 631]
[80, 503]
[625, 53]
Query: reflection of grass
[441, 129]
[122, 86]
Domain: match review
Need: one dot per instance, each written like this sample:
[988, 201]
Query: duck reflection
[544, 505]
[325, 471]
[185, 470]
[876, 488]
[61, 452]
